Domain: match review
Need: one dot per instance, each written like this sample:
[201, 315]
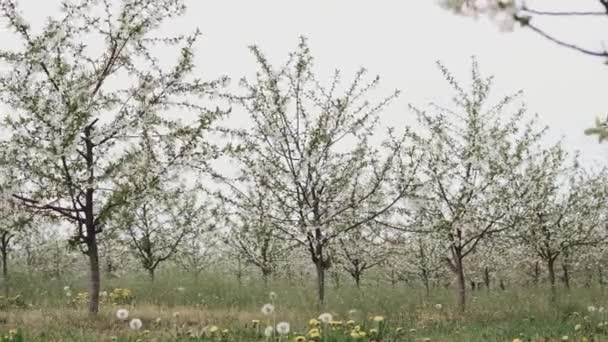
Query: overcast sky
[401, 40]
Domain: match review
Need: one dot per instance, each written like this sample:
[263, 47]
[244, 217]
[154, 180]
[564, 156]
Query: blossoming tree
[309, 147]
[472, 157]
[87, 98]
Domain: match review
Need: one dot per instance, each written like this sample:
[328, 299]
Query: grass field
[176, 308]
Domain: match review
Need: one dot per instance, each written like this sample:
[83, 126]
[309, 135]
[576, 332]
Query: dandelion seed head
[135, 324]
[325, 317]
[283, 328]
[267, 309]
[122, 314]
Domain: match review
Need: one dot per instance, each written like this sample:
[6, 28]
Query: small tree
[252, 234]
[155, 228]
[359, 251]
[472, 156]
[567, 211]
[309, 149]
[198, 251]
[84, 116]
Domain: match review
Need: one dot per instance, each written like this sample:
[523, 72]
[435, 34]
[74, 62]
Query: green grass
[43, 312]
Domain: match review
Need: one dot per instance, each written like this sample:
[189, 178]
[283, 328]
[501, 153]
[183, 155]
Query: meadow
[176, 307]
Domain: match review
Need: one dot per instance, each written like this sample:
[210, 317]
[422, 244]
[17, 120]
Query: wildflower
[325, 317]
[373, 331]
[66, 288]
[565, 338]
[378, 319]
[135, 324]
[591, 308]
[517, 340]
[225, 332]
[313, 323]
[438, 306]
[255, 323]
[412, 330]
[352, 313]
[122, 314]
[314, 333]
[268, 331]
[335, 324]
[181, 289]
[399, 330]
[356, 334]
[577, 327]
[272, 295]
[300, 339]
[213, 329]
[426, 339]
[283, 328]
[350, 322]
[158, 320]
[267, 309]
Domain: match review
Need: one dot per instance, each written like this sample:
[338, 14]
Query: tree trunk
[600, 275]
[461, 289]
[5, 272]
[551, 271]
[486, 278]
[320, 282]
[95, 279]
[536, 275]
[588, 277]
[4, 249]
[502, 285]
[460, 280]
[566, 275]
[151, 274]
[425, 280]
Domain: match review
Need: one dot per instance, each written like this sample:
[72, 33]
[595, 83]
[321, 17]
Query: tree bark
[551, 271]
[486, 278]
[4, 249]
[566, 275]
[425, 279]
[320, 282]
[461, 288]
[95, 279]
[151, 274]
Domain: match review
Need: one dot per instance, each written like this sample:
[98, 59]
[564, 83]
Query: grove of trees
[106, 150]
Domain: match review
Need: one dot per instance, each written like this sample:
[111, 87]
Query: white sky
[401, 40]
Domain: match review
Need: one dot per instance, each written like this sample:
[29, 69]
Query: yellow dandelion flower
[314, 332]
[313, 322]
